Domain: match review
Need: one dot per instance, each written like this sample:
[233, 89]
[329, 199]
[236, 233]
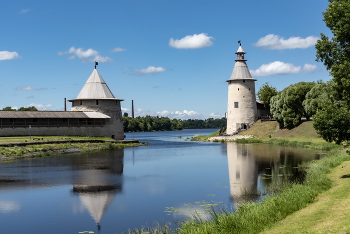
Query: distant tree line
[148, 123]
[31, 108]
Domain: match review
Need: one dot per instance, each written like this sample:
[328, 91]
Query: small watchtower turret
[241, 106]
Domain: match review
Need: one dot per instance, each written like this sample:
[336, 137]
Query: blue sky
[171, 57]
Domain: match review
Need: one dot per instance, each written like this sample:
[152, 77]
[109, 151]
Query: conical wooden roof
[95, 88]
[240, 70]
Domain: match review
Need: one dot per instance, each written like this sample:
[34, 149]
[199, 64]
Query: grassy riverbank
[320, 201]
[51, 145]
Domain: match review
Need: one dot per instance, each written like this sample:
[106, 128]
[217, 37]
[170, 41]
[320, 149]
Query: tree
[31, 108]
[8, 108]
[317, 97]
[287, 106]
[331, 121]
[125, 114]
[265, 94]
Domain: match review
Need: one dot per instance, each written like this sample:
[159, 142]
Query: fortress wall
[111, 108]
[57, 131]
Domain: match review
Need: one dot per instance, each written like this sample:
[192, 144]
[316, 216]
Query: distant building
[242, 107]
[95, 112]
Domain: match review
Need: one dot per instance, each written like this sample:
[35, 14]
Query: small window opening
[243, 80]
[236, 104]
[238, 89]
[96, 102]
[81, 102]
[116, 102]
[249, 89]
[112, 137]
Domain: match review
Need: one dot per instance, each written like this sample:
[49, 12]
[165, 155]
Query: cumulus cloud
[40, 106]
[150, 69]
[24, 11]
[118, 49]
[194, 41]
[275, 42]
[281, 68]
[29, 88]
[89, 55]
[7, 55]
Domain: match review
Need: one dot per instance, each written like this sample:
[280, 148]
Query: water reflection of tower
[243, 170]
[98, 181]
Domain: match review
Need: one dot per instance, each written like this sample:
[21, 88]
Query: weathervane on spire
[96, 63]
[239, 43]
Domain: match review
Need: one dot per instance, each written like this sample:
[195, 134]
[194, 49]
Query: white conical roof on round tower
[240, 70]
[240, 50]
[95, 88]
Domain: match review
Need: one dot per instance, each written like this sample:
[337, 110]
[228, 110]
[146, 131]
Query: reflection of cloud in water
[155, 188]
[9, 206]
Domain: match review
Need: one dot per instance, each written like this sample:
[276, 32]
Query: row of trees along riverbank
[148, 123]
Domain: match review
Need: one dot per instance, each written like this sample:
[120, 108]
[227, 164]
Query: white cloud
[194, 41]
[150, 69]
[275, 42]
[118, 49]
[24, 11]
[40, 106]
[281, 68]
[29, 88]
[184, 115]
[9, 206]
[7, 55]
[100, 59]
[90, 54]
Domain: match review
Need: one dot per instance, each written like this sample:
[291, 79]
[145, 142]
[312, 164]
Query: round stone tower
[97, 97]
[241, 107]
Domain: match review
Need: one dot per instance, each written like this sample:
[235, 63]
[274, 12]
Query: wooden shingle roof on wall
[52, 115]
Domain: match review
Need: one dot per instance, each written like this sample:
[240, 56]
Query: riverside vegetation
[279, 202]
[50, 148]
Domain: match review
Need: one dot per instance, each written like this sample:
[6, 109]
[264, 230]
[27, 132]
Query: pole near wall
[132, 108]
[65, 106]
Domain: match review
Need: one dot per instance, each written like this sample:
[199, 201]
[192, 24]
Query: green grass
[329, 214]
[205, 138]
[51, 149]
[16, 139]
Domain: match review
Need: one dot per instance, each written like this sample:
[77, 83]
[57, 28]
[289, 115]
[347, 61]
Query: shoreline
[28, 150]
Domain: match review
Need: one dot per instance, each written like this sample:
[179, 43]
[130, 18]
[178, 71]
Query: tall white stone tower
[241, 108]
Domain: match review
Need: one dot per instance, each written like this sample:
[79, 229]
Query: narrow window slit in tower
[236, 104]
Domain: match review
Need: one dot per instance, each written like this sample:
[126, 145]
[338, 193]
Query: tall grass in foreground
[256, 217]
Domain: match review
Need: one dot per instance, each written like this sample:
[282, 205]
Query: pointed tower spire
[240, 71]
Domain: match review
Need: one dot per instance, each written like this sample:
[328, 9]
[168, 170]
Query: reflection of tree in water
[273, 164]
[98, 180]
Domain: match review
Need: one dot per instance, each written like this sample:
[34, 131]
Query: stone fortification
[114, 126]
[241, 106]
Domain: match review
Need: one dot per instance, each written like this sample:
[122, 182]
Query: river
[113, 191]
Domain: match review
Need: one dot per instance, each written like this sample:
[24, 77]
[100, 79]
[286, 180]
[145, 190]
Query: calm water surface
[113, 191]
